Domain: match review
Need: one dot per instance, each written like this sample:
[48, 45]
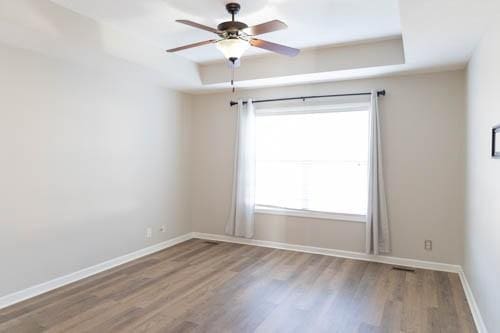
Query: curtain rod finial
[381, 93]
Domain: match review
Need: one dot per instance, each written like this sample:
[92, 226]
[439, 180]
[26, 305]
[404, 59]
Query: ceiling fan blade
[192, 45]
[263, 28]
[278, 48]
[199, 26]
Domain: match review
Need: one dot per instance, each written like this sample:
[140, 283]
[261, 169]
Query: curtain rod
[379, 93]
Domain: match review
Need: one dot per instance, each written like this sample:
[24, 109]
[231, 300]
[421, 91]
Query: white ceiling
[311, 23]
[443, 32]
[436, 35]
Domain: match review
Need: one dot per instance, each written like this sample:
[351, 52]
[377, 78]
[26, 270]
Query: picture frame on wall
[495, 142]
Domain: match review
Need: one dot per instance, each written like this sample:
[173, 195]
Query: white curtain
[377, 226]
[241, 215]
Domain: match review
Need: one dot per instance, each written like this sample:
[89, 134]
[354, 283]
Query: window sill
[310, 214]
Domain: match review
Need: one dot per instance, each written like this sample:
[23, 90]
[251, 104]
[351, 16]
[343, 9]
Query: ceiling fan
[236, 37]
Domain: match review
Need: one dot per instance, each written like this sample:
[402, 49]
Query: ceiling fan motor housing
[231, 26]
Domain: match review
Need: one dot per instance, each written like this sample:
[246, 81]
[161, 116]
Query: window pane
[314, 161]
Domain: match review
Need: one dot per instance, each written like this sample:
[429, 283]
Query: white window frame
[273, 210]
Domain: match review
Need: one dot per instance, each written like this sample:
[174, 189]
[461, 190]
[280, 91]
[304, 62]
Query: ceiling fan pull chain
[232, 79]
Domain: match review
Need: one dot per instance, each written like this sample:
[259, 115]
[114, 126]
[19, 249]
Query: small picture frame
[495, 142]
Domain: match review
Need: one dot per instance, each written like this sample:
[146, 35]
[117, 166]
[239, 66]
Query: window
[313, 161]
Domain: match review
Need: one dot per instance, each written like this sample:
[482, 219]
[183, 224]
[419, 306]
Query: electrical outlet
[428, 245]
[149, 232]
[163, 228]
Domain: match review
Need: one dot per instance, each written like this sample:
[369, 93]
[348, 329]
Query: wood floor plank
[412, 317]
[200, 286]
[463, 311]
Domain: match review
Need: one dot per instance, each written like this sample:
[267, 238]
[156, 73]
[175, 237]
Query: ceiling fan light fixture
[232, 48]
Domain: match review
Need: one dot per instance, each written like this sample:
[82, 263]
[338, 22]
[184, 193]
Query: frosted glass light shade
[232, 47]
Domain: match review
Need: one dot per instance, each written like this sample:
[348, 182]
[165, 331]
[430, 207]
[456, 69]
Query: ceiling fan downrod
[232, 28]
[233, 8]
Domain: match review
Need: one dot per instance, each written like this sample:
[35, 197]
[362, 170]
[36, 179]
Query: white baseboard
[437, 266]
[33, 291]
[476, 314]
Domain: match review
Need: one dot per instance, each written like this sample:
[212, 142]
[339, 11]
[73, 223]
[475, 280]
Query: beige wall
[91, 158]
[423, 137]
[482, 227]
[88, 160]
